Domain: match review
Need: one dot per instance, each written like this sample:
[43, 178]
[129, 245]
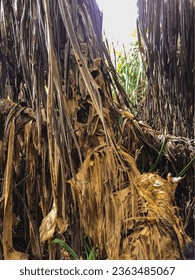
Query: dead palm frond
[166, 39]
[66, 170]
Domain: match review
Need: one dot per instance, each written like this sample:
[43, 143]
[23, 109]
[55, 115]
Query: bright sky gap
[119, 20]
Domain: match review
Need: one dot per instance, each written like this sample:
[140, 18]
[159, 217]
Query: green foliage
[159, 155]
[67, 247]
[185, 169]
[90, 253]
[131, 73]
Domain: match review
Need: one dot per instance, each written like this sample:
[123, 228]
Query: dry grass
[66, 168]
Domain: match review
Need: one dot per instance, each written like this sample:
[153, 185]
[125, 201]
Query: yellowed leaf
[48, 224]
[16, 255]
[62, 225]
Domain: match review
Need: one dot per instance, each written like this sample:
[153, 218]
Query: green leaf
[90, 252]
[67, 247]
[185, 169]
[91, 256]
[159, 155]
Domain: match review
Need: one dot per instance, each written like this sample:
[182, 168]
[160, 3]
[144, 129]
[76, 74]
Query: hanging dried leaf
[66, 146]
[48, 225]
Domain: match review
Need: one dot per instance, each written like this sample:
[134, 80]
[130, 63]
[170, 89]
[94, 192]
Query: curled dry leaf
[48, 225]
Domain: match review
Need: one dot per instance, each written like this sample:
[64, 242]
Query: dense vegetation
[82, 175]
[131, 73]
